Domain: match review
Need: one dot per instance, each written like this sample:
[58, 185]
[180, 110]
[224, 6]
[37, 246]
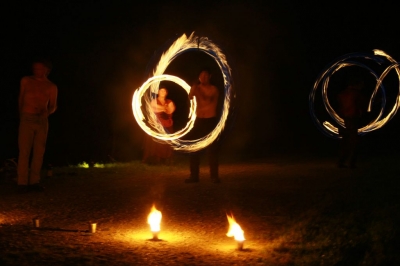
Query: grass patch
[357, 224]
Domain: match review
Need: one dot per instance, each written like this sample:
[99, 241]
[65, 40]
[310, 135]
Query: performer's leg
[25, 140]
[343, 147]
[353, 145]
[39, 146]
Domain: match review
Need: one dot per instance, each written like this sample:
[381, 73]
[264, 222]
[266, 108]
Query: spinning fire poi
[148, 121]
[379, 57]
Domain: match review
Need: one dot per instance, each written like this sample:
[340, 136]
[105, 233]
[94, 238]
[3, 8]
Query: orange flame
[154, 219]
[234, 229]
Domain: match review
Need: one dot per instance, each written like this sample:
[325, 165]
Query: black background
[101, 51]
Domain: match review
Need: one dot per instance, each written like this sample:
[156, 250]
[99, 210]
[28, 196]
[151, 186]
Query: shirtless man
[207, 99]
[37, 100]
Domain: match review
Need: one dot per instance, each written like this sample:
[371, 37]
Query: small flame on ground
[234, 229]
[154, 219]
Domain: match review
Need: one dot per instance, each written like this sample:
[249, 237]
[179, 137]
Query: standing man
[37, 100]
[207, 99]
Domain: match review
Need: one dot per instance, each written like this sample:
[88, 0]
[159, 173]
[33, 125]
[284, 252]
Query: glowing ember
[99, 165]
[86, 165]
[234, 229]
[83, 165]
[181, 45]
[379, 57]
[154, 219]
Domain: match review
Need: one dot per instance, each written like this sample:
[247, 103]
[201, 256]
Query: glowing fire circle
[378, 57]
[140, 116]
[181, 45]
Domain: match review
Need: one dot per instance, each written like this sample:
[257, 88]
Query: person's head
[355, 82]
[205, 75]
[41, 68]
[162, 92]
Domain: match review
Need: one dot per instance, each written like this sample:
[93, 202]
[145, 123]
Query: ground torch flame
[236, 231]
[154, 220]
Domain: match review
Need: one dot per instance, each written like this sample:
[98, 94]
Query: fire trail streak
[378, 57]
[154, 128]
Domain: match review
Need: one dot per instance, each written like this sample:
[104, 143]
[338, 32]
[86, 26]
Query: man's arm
[21, 94]
[170, 108]
[193, 90]
[52, 107]
[156, 107]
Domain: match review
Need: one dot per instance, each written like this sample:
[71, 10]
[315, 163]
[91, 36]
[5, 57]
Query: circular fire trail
[149, 123]
[322, 82]
[137, 111]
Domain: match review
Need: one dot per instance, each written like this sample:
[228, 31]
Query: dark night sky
[100, 52]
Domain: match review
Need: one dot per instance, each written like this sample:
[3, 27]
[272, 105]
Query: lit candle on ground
[36, 222]
[92, 227]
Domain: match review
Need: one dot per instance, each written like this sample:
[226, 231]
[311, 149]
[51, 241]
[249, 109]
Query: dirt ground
[265, 196]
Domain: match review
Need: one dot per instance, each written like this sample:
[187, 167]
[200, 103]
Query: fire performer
[352, 107]
[207, 99]
[37, 100]
[163, 108]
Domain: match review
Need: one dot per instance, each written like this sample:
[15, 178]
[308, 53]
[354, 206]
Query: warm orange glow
[234, 229]
[154, 219]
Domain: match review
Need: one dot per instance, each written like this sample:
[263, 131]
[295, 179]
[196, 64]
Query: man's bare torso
[351, 103]
[207, 99]
[37, 96]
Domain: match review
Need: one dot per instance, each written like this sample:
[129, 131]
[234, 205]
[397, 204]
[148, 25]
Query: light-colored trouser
[32, 134]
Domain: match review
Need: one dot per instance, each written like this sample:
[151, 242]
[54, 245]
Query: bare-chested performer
[37, 100]
[207, 99]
